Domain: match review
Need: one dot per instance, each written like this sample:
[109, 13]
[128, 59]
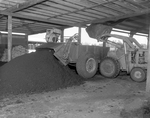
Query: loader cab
[52, 35]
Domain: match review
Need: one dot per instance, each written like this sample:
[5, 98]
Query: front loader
[129, 57]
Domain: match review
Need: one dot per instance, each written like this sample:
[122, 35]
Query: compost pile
[16, 51]
[35, 72]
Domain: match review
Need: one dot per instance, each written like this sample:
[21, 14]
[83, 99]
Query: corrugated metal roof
[34, 16]
[6, 4]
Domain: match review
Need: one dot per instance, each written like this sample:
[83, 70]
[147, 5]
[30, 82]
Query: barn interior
[65, 98]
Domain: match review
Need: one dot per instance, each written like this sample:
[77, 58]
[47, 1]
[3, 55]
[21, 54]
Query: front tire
[109, 67]
[87, 65]
[138, 74]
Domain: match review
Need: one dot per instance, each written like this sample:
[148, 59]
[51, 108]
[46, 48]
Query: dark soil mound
[35, 72]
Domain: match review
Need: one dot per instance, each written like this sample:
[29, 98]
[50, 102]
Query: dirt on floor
[37, 85]
[98, 98]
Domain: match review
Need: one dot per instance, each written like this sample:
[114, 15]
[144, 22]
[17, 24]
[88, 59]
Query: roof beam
[25, 25]
[87, 5]
[41, 31]
[37, 19]
[115, 18]
[24, 5]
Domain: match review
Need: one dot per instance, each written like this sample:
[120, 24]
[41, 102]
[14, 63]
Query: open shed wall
[16, 40]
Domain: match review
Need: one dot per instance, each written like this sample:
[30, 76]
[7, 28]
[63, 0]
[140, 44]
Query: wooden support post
[148, 67]
[62, 36]
[26, 37]
[0, 38]
[104, 44]
[104, 47]
[148, 41]
[9, 43]
[79, 32]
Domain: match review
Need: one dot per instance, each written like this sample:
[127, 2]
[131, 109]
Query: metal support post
[79, 32]
[62, 36]
[9, 43]
[148, 67]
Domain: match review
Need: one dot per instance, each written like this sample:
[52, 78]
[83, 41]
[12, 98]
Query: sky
[67, 33]
[85, 39]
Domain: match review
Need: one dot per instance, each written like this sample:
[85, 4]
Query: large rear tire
[87, 65]
[138, 74]
[109, 67]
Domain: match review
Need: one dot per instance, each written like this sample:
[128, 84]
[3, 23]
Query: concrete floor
[98, 98]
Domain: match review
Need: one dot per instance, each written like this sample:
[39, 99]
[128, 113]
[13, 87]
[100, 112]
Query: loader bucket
[59, 50]
[97, 30]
